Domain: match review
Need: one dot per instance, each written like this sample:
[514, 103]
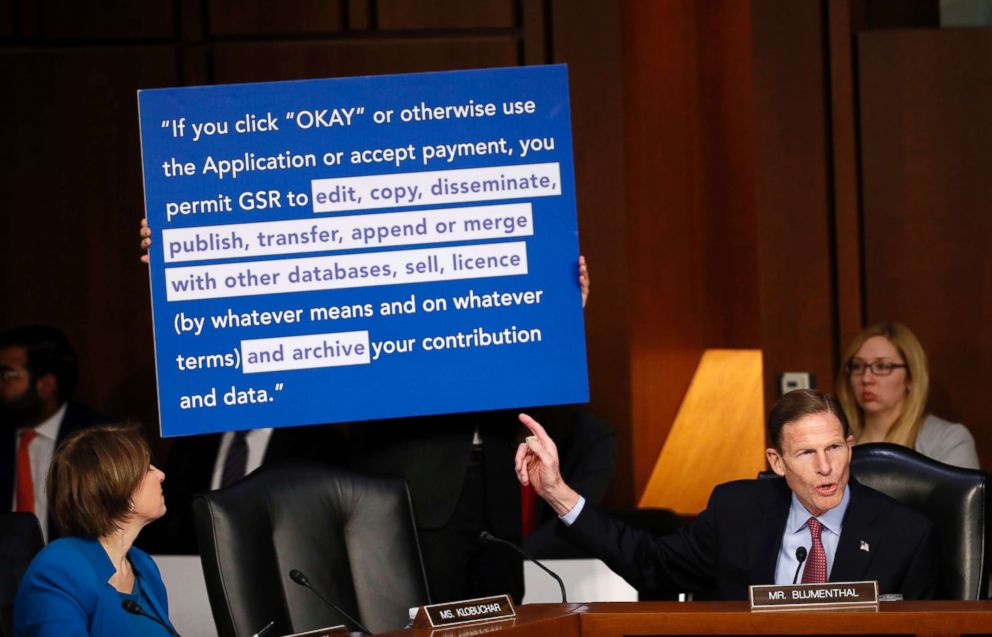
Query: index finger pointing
[536, 429]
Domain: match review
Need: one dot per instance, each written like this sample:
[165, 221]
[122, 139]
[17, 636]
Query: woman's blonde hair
[907, 424]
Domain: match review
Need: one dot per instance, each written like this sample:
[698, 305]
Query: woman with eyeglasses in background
[883, 388]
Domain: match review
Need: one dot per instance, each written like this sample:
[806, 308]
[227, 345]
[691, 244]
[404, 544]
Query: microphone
[801, 556]
[301, 579]
[486, 536]
[135, 608]
[265, 629]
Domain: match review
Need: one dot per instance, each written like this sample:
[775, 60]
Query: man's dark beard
[22, 411]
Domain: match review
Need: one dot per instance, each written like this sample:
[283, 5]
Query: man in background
[197, 464]
[38, 374]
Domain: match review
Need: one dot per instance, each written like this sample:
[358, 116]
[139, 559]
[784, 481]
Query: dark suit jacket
[77, 416]
[433, 453]
[454, 497]
[190, 467]
[20, 541]
[735, 542]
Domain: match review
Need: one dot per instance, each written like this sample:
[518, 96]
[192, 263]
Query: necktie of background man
[25, 484]
[237, 459]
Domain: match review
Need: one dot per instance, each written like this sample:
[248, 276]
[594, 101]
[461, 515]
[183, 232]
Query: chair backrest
[20, 541]
[353, 536]
[956, 500]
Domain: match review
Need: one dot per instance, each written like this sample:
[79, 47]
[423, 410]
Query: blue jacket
[65, 593]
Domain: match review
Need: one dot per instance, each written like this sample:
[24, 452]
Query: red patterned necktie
[25, 485]
[816, 565]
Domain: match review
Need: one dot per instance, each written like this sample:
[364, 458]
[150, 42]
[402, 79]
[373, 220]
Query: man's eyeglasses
[857, 367]
[8, 374]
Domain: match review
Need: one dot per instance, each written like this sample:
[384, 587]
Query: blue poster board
[362, 248]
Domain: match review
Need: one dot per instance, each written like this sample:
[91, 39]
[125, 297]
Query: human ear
[46, 386]
[775, 461]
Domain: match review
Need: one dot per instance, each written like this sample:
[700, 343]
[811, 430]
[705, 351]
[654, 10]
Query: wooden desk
[616, 619]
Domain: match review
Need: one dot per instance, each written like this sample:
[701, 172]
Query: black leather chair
[352, 536]
[20, 541]
[956, 500]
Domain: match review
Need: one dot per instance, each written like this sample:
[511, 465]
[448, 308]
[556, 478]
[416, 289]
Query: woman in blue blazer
[102, 490]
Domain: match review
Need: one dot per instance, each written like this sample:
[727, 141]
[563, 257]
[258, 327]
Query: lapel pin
[865, 547]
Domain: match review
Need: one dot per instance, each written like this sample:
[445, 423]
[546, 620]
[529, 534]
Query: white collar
[49, 428]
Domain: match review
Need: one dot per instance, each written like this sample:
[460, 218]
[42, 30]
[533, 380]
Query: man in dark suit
[458, 468]
[38, 374]
[751, 529]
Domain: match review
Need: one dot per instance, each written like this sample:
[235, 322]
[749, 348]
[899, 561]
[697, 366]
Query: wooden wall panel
[286, 17]
[691, 258]
[663, 228]
[726, 175]
[7, 21]
[113, 20]
[902, 14]
[359, 14]
[445, 14]
[927, 148]
[794, 212]
[587, 35]
[26, 20]
[72, 201]
[261, 62]
[534, 22]
[845, 169]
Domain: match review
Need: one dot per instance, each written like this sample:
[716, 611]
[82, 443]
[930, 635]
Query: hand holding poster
[361, 248]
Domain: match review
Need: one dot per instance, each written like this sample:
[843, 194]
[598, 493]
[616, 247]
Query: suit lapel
[765, 535]
[857, 536]
[281, 445]
[67, 425]
[210, 449]
[191, 466]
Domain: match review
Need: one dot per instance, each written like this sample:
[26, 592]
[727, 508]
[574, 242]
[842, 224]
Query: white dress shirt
[258, 444]
[40, 451]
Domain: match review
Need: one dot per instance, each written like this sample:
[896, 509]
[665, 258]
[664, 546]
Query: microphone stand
[135, 608]
[486, 536]
[301, 579]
